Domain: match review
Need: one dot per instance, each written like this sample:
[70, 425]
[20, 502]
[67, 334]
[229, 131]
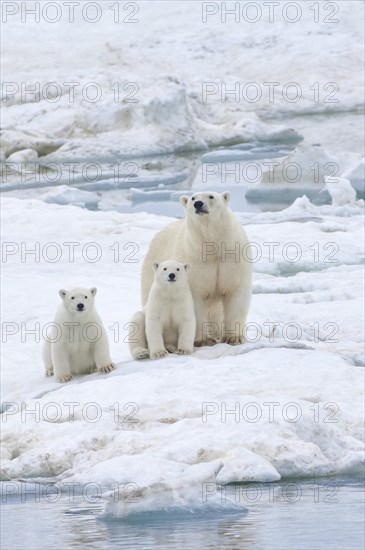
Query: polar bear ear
[62, 293]
[93, 290]
[184, 200]
[226, 196]
[155, 266]
[187, 267]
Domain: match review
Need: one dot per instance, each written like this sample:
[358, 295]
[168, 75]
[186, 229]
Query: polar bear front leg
[101, 355]
[186, 337]
[61, 362]
[47, 358]
[235, 311]
[155, 339]
[137, 336]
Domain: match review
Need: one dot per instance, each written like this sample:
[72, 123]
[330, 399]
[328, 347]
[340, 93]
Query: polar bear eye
[211, 197]
[165, 268]
[72, 297]
[178, 269]
[85, 297]
[193, 198]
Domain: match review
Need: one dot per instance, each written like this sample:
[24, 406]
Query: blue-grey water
[316, 514]
[154, 183]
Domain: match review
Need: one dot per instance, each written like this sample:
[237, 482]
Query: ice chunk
[69, 195]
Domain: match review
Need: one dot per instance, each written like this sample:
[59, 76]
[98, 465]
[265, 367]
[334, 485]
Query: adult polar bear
[213, 242]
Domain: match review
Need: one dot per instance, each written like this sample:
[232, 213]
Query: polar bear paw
[92, 369]
[206, 342]
[65, 378]
[50, 371]
[142, 353]
[107, 368]
[183, 351]
[233, 340]
[171, 348]
[159, 354]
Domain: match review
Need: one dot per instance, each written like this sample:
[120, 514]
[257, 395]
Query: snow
[151, 77]
[289, 402]
[25, 155]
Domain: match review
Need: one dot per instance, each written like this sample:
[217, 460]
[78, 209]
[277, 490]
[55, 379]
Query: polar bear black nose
[80, 307]
[171, 276]
[198, 204]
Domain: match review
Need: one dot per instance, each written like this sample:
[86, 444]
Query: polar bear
[213, 242]
[78, 343]
[167, 323]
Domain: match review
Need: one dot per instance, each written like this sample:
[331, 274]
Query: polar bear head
[171, 273]
[78, 300]
[205, 205]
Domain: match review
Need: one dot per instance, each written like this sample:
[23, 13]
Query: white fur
[75, 351]
[167, 323]
[220, 283]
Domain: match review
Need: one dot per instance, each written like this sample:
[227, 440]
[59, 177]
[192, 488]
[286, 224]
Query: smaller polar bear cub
[78, 343]
[167, 323]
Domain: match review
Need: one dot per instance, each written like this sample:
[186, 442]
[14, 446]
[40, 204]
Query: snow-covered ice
[287, 403]
[160, 81]
[168, 434]
[341, 190]
[64, 194]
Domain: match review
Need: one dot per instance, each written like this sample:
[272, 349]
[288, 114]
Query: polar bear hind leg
[137, 337]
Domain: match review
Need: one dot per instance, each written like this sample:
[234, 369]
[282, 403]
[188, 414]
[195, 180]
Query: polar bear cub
[78, 343]
[167, 323]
